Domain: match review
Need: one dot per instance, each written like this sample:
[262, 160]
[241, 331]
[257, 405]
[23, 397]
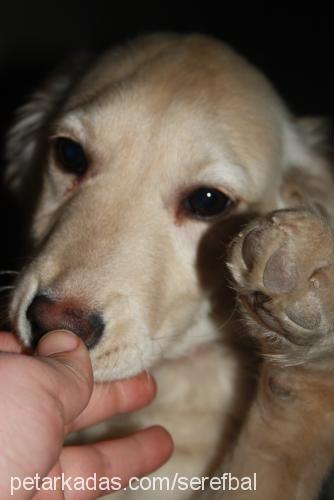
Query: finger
[116, 397]
[70, 380]
[119, 460]
[9, 343]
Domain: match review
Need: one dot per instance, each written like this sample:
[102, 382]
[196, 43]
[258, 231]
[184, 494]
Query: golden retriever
[146, 168]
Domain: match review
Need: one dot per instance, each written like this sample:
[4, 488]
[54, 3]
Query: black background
[293, 48]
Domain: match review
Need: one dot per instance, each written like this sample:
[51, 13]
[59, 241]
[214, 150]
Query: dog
[182, 224]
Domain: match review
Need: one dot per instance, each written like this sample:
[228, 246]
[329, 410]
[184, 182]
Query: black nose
[45, 314]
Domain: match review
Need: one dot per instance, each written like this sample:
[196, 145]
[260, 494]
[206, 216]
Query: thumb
[71, 371]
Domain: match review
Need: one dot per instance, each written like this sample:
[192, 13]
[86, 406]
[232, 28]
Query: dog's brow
[235, 179]
[71, 124]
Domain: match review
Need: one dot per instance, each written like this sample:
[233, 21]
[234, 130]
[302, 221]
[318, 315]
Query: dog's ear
[308, 177]
[27, 138]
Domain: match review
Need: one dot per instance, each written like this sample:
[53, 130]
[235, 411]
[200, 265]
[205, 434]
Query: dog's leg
[283, 267]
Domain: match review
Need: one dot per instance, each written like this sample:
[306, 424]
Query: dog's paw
[283, 268]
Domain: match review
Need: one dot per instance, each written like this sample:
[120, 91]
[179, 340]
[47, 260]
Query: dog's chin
[111, 374]
[110, 367]
[111, 361]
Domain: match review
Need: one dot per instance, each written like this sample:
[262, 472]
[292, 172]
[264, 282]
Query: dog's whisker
[3, 307]
[4, 317]
[176, 335]
[220, 327]
[4, 288]
[229, 319]
[140, 356]
[8, 272]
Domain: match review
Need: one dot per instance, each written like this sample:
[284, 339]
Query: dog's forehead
[191, 99]
[176, 68]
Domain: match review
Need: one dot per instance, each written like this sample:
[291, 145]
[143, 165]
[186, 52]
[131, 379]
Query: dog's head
[157, 144]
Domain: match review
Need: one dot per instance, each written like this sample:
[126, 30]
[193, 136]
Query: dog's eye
[70, 156]
[206, 202]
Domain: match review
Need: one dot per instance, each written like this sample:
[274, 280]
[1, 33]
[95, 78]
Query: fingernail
[57, 342]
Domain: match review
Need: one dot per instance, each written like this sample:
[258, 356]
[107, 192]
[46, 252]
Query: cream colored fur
[158, 117]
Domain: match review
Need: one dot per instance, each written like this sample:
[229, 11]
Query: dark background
[293, 48]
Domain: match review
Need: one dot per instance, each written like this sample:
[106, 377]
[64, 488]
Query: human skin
[46, 396]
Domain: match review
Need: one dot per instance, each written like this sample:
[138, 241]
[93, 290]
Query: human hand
[46, 396]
